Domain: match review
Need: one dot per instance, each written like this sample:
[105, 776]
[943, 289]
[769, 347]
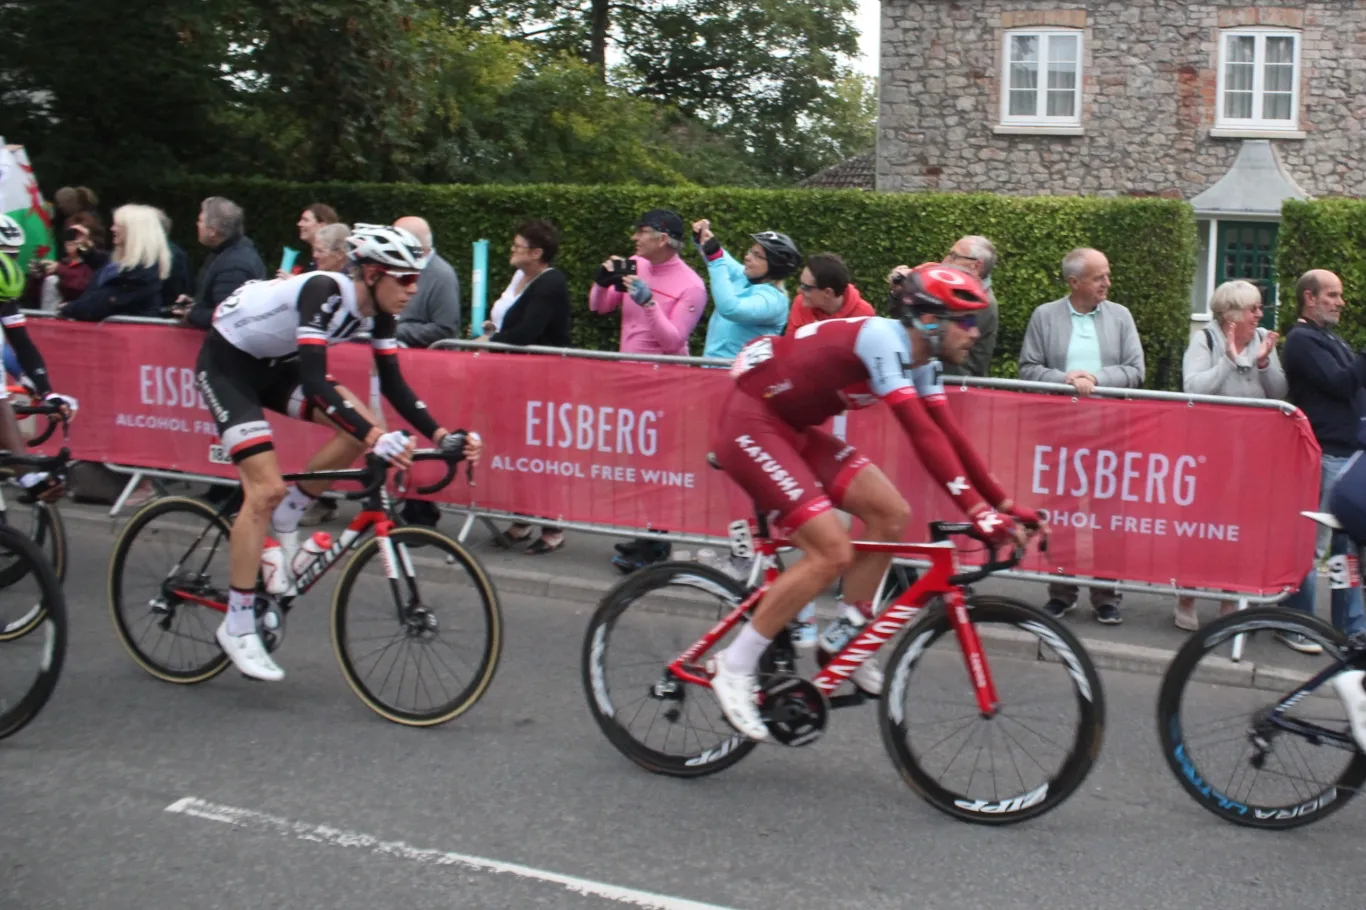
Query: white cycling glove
[69, 401]
[391, 445]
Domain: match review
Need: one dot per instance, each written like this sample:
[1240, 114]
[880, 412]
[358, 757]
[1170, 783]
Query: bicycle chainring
[794, 710]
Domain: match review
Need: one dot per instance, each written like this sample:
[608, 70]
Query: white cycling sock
[287, 514]
[743, 654]
[241, 612]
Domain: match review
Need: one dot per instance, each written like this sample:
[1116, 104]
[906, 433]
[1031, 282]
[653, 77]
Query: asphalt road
[131, 793]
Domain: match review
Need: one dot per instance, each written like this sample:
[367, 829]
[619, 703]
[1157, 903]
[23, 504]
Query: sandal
[540, 547]
[507, 540]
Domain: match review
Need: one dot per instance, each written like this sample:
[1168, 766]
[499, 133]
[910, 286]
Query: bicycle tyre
[596, 645]
[1172, 734]
[15, 717]
[492, 612]
[1082, 754]
[49, 533]
[196, 511]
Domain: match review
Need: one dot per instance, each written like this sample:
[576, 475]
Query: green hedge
[1324, 234]
[1150, 242]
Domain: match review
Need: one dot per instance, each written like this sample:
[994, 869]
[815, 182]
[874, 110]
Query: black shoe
[420, 512]
[1108, 614]
[1058, 608]
[628, 548]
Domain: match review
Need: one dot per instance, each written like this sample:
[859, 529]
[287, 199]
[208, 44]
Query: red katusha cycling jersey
[768, 439]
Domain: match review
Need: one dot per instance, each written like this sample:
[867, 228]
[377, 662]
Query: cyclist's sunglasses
[967, 322]
[406, 279]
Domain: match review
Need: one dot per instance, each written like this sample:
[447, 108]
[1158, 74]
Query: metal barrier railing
[489, 516]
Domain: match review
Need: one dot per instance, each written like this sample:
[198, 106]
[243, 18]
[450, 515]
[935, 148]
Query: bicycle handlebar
[53, 413]
[943, 530]
[376, 470]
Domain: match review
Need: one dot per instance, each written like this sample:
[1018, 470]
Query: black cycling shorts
[236, 386]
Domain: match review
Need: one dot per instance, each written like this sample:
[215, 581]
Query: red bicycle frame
[936, 582]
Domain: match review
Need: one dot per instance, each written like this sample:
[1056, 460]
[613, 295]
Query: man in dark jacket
[231, 263]
[1328, 383]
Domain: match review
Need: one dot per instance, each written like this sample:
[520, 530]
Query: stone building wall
[1149, 81]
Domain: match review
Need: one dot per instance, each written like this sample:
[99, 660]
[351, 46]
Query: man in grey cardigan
[433, 313]
[1085, 341]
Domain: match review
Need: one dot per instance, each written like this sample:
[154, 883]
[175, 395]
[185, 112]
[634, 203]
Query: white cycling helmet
[11, 234]
[392, 247]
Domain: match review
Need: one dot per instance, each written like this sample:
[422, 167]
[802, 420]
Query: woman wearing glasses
[534, 310]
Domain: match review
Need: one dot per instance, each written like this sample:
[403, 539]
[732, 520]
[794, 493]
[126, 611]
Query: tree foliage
[432, 90]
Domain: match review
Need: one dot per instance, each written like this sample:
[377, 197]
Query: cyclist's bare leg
[827, 553]
[885, 514]
[262, 490]
[11, 437]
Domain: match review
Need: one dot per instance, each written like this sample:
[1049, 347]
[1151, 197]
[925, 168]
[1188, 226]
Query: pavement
[131, 793]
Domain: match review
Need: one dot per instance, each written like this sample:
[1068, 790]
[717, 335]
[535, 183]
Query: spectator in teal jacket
[749, 299]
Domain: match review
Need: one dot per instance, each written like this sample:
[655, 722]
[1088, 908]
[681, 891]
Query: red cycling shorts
[791, 474]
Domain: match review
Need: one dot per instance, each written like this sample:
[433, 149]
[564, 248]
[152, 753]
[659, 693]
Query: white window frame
[1044, 35]
[1257, 122]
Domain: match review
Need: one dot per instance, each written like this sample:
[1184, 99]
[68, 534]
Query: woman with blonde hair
[126, 281]
[1230, 356]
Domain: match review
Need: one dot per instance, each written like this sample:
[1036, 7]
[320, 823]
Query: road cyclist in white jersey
[268, 349]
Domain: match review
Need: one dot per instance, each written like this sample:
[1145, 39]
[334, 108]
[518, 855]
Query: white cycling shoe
[1348, 684]
[249, 654]
[738, 694]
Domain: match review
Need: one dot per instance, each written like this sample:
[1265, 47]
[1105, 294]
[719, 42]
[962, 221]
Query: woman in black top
[538, 316]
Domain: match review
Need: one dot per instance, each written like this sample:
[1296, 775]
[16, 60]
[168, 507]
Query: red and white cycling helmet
[937, 290]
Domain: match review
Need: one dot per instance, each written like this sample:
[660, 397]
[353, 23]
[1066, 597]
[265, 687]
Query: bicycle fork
[973, 656]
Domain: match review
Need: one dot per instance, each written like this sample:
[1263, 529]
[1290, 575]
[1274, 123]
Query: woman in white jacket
[1234, 357]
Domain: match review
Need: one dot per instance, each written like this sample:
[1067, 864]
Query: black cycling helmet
[783, 256]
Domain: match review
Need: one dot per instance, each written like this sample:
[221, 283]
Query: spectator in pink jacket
[661, 303]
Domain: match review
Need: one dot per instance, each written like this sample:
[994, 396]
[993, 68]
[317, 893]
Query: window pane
[1062, 48]
[1280, 50]
[1276, 106]
[1061, 104]
[1279, 78]
[1238, 105]
[1062, 75]
[1238, 77]
[1241, 48]
[1024, 103]
[1024, 48]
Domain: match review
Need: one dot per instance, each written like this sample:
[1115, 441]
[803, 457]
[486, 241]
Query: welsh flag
[21, 200]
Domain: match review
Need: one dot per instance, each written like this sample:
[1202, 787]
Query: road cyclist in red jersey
[769, 441]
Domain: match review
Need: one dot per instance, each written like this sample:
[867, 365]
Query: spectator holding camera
[660, 296]
[231, 262]
[750, 300]
[661, 300]
[126, 282]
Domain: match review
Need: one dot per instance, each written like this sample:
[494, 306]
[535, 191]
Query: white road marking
[322, 834]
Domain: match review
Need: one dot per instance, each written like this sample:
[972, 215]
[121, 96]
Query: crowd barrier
[1157, 491]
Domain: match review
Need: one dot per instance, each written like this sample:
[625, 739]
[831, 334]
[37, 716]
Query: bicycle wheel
[1209, 709]
[172, 553]
[663, 725]
[42, 523]
[389, 630]
[30, 666]
[989, 770]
